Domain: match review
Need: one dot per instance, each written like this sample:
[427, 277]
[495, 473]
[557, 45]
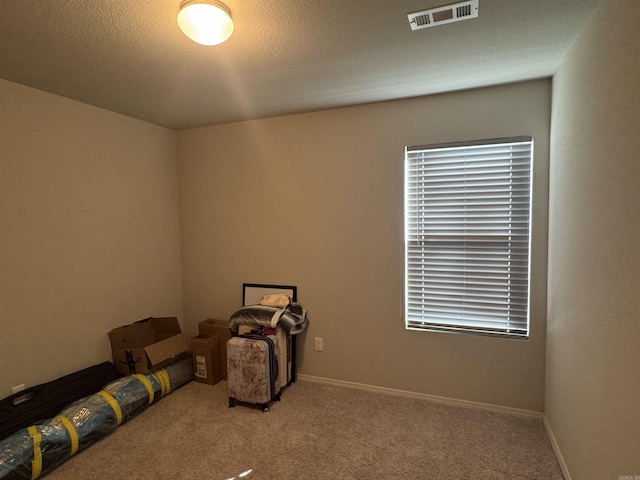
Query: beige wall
[593, 345]
[88, 232]
[316, 200]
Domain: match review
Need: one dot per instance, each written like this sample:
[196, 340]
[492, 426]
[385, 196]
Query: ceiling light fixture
[207, 22]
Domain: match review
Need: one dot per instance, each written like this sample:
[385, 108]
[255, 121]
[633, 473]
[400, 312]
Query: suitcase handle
[24, 396]
[18, 402]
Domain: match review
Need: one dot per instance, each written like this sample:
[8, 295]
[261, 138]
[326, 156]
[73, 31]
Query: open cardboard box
[147, 344]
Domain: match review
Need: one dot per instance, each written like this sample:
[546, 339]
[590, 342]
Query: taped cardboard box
[212, 326]
[147, 345]
[205, 349]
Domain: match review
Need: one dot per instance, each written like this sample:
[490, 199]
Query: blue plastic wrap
[36, 450]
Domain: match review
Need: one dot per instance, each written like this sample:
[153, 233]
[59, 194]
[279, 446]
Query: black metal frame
[293, 288]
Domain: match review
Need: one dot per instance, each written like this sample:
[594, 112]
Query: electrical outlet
[17, 388]
[318, 344]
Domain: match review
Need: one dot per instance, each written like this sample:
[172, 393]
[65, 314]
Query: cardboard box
[211, 326]
[149, 344]
[207, 365]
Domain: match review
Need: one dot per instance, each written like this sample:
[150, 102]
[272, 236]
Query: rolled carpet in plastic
[38, 449]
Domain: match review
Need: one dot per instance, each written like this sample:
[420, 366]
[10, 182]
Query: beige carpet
[316, 432]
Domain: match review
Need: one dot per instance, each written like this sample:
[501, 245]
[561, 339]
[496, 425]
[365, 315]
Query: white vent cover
[455, 12]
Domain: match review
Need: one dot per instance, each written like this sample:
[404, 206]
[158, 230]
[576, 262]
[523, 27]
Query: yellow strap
[73, 434]
[167, 380]
[147, 384]
[161, 383]
[36, 464]
[163, 379]
[114, 405]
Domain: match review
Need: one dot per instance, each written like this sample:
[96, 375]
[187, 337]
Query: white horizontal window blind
[467, 211]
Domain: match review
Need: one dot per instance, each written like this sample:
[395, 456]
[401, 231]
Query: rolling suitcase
[252, 370]
[284, 351]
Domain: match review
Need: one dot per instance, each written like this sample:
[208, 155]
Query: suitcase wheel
[232, 402]
[265, 408]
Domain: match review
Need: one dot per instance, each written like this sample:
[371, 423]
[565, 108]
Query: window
[467, 211]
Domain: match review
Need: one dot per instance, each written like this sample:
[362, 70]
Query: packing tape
[36, 464]
[147, 384]
[114, 405]
[73, 434]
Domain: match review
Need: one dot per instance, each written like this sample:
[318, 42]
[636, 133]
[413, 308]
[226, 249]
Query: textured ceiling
[285, 56]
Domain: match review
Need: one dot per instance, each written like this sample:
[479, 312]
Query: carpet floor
[317, 432]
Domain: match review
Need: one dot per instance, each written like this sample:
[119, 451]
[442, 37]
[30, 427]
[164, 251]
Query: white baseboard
[556, 449]
[423, 396]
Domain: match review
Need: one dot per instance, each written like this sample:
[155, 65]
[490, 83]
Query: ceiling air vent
[455, 12]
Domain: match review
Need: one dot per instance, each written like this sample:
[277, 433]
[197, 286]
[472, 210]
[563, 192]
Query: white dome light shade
[207, 22]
